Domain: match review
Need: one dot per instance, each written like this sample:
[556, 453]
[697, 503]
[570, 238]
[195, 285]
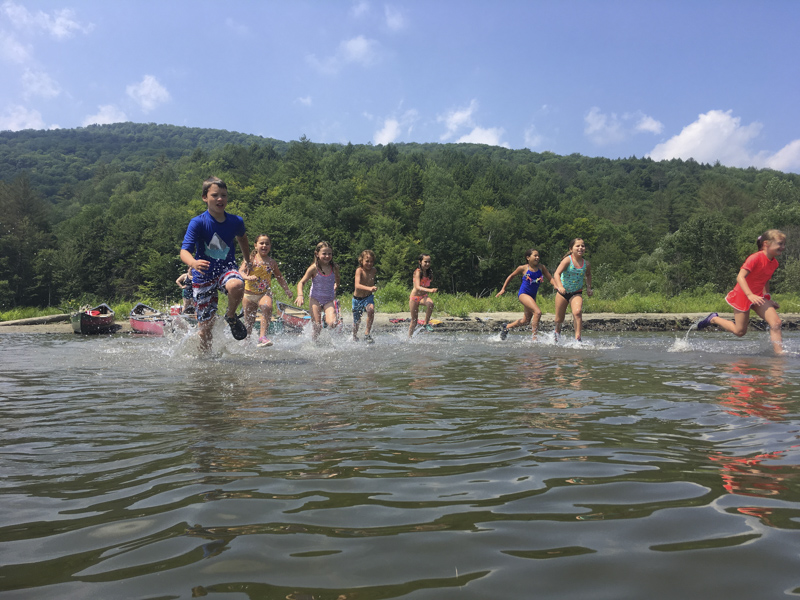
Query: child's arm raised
[514, 273]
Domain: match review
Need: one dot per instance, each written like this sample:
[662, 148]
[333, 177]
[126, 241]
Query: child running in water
[532, 276]
[570, 276]
[208, 248]
[324, 276]
[363, 294]
[423, 276]
[258, 272]
[752, 291]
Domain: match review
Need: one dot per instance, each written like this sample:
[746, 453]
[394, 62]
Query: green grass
[393, 298]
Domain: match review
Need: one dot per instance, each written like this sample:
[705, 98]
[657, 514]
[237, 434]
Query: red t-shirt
[760, 270]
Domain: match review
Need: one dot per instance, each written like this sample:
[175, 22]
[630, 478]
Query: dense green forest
[100, 212]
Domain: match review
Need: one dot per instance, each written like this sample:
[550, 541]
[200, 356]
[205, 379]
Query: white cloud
[457, 119]
[719, 136]
[149, 93]
[481, 135]
[604, 128]
[785, 159]
[389, 133]
[60, 24]
[39, 84]
[11, 50]
[358, 50]
[16, 118]
[393, 127]
[106, 114]
[395, 20]
[649, 125]
[304, 100]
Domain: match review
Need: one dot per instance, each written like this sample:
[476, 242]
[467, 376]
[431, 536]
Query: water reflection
[447, 467]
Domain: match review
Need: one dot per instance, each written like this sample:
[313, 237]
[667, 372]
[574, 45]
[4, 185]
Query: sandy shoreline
[475, 322]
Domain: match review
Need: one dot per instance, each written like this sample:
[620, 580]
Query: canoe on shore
[94, 320]
[149, 321]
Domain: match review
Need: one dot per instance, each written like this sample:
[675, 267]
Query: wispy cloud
[357, 50]
[304, 100]
[459, 119]
[60, 24]
[719, 136]
[394, 127]
[148, 93]
[456, 119]
[610, 128]
[16, 118]
[532, 138]
[106, 114]
[39, 84]
[237, 28]
[12, 50]
[395, 20]
[359, 8]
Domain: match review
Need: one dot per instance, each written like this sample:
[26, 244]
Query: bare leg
[316, 319]
[205, 332]
[738, 327]
[767, 312]
[235, 289]
[265, 304]
[413, 306]
[532, 311]
[250, 312]
[370, 318]
[561, 312]
[429, 311]
[576, 303]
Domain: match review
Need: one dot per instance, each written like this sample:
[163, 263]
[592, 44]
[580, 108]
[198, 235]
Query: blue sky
[710, 80]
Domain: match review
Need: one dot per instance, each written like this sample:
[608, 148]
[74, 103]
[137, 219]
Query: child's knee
[370, 310]
[537, 314]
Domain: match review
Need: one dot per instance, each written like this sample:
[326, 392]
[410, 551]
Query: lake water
[449, 466]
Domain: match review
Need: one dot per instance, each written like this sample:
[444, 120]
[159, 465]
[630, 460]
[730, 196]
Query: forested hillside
[101, 211]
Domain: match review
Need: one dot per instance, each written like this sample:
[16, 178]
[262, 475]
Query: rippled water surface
[450, 466]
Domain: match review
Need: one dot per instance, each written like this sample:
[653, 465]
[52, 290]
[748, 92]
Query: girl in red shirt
[752, 291]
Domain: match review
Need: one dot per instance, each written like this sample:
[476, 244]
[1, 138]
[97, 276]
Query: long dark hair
[427, 273]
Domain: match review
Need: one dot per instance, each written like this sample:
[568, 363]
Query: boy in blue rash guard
[209, 250]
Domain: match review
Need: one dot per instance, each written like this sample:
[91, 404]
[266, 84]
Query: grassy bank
[394, 299]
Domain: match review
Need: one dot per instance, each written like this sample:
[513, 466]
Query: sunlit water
[449, 466]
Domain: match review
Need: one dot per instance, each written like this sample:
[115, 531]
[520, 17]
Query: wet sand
[475, 322]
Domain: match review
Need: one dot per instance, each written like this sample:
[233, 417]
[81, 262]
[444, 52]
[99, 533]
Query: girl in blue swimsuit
[532, 275]
[570, 277]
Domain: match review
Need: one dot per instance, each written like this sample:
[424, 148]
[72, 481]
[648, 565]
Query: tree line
[100, 212]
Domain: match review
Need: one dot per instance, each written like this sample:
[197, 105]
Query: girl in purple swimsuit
[324, 276]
